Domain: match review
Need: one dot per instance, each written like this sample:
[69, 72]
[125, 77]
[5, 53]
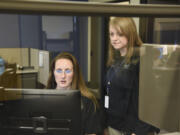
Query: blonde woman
[122, 80]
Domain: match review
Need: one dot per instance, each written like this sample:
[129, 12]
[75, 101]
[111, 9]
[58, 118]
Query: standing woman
[122, 80]
[65, 74]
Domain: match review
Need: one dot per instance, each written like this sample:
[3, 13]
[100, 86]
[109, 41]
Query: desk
[174, 133]
[27, 78]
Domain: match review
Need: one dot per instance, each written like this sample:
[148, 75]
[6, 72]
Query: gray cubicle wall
[30, 28]
[9, 31]
[20, 31]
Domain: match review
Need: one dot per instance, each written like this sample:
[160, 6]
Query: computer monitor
[40, 111]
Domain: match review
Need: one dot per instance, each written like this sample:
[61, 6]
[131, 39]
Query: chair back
[9, 78]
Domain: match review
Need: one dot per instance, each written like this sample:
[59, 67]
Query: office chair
[9, 78]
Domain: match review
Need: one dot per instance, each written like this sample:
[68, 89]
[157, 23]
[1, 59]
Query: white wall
[43, 67]
[136, 19]
[57, 27]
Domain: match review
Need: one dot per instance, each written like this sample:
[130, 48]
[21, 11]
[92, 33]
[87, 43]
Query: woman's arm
[90, 118]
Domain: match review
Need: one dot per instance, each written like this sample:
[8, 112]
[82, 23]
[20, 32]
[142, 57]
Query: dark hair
[77, 81]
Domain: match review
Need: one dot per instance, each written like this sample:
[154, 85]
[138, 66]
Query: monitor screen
[40, 111]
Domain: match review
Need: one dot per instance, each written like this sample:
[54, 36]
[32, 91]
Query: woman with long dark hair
[66, 74]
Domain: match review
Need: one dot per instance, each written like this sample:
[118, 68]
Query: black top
[90, 120]
[122, 86]
[90, 117]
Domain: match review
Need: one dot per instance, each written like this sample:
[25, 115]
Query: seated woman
[65, 74]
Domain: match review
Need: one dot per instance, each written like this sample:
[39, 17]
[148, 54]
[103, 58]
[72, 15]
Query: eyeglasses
[60, 71]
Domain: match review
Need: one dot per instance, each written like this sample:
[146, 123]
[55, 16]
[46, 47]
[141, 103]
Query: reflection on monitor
[40, 111]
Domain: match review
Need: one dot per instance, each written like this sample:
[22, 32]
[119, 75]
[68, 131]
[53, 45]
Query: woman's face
[117, 39]
[63, 73]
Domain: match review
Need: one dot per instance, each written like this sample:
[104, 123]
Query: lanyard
[110, 75]
[109, 79]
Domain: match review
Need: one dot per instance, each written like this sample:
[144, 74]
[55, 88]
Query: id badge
[106, 102]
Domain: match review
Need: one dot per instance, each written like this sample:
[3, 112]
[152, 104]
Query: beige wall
[28, 57]
[15, 55]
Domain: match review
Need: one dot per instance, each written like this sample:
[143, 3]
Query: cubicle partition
[31, 66]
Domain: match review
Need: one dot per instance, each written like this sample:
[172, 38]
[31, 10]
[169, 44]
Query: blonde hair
[128, 29]
[78, 82]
